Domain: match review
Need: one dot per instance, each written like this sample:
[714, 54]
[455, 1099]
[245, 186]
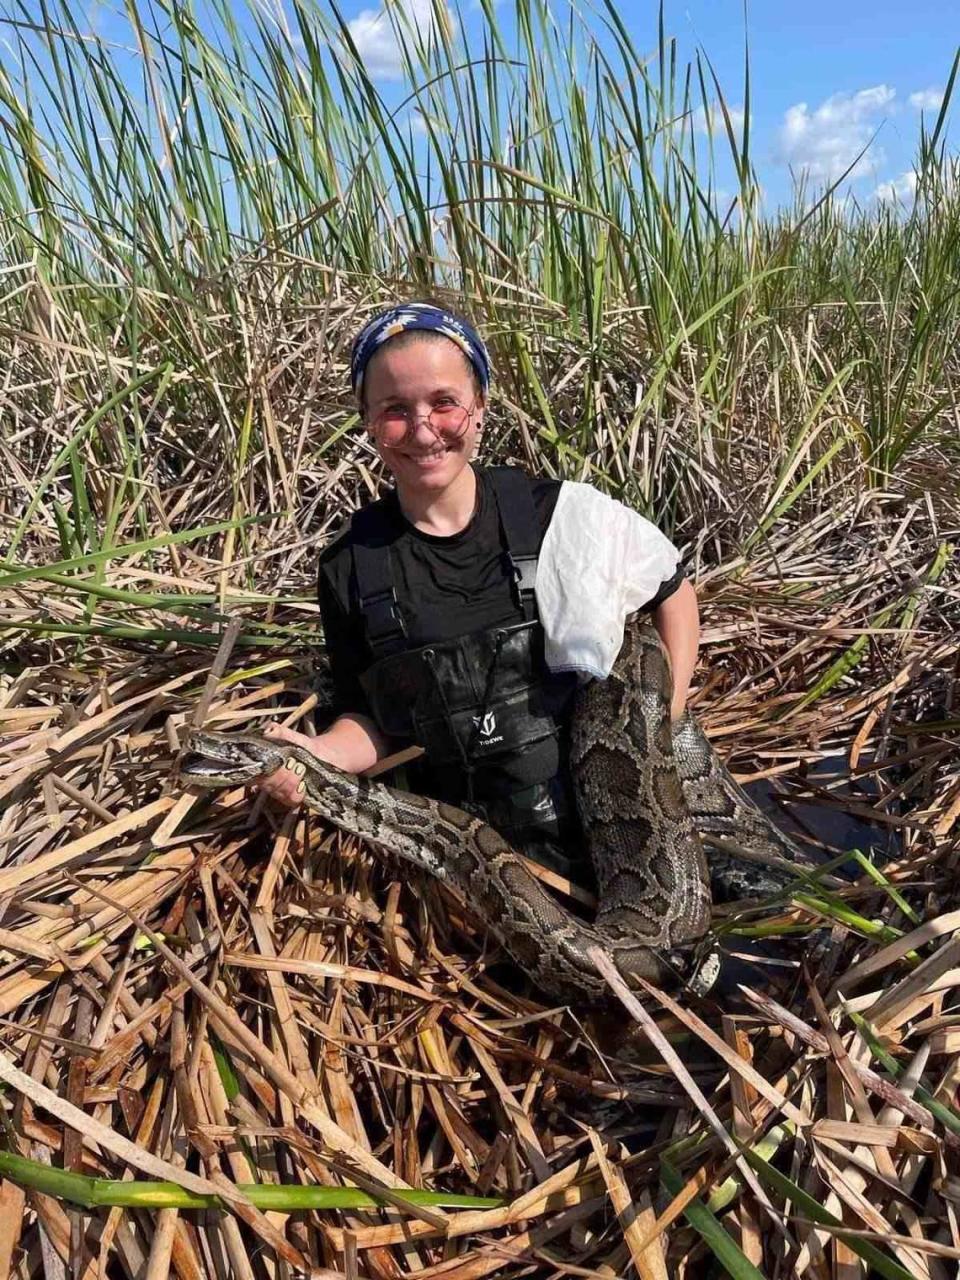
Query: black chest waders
[478, 704]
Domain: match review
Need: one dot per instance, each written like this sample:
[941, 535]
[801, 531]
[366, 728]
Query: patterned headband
[429, 319]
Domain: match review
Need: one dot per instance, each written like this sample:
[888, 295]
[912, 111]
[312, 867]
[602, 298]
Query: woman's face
[417, 378]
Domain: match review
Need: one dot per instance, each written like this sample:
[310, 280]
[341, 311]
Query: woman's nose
[420, 422]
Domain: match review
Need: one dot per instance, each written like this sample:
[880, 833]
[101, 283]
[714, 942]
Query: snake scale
[646, 793]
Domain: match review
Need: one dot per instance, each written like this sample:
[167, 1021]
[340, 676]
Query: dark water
[831, 826]
[775, 962]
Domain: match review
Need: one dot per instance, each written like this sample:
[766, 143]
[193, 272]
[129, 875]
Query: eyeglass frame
[413, 420]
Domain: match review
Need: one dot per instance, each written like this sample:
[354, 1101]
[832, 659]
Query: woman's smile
[429, 458]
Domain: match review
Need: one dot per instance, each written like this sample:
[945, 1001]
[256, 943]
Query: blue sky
[825, 76]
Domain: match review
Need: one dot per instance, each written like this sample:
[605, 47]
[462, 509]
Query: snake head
[219, 759]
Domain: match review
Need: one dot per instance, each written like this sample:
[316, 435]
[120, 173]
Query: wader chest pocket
[479, 694]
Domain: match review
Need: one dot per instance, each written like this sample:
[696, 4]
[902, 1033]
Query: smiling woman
[421, 375]
[461, 610]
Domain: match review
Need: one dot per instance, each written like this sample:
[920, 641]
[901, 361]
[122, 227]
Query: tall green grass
[197, 215]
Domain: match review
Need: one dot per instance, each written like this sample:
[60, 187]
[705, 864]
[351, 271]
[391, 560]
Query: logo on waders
[487, 728]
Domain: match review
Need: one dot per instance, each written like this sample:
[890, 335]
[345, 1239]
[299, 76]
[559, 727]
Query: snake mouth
[217, 759]
[194, 765]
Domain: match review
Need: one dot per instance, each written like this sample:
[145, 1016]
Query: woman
[460, 610]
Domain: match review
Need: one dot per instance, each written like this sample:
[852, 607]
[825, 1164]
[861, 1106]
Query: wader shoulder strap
[521, 529]
[376, 597]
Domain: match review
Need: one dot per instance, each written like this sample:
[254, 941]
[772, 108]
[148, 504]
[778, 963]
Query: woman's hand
[678, 622]
[283, 786]
[352, 744]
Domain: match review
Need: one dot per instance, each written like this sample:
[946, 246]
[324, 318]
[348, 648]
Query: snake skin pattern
[652, 877]
[645, 793]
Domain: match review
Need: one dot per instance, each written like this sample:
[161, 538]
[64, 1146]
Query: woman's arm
[677, 621]
[352, 743]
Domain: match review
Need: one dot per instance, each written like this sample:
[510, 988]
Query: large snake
[646, 792]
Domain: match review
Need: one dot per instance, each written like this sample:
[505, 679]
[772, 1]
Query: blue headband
[429, 319]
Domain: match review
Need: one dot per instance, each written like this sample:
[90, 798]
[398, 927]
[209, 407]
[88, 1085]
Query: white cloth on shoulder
[599, 562]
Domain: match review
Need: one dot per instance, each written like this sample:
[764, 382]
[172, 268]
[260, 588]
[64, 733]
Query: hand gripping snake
[646, 791]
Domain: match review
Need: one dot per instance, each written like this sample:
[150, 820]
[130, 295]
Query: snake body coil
[645, 792]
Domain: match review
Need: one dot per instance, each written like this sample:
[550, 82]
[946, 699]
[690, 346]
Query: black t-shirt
[445, 586]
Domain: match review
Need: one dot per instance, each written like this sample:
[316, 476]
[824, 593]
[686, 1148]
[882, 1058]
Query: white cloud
[926, 99]
[712, 119]
[823, 142]
[898, 190]
[95, 17]
[374, 34]
[418, 122]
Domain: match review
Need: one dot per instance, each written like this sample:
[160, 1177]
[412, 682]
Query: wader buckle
[524, 569]
[382, 617]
